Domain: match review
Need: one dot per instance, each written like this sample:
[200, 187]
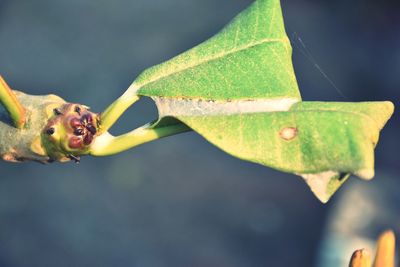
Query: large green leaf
[250, 58]
[238, 90]
[319, 141]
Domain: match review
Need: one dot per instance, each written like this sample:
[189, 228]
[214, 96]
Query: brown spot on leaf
[288, 133]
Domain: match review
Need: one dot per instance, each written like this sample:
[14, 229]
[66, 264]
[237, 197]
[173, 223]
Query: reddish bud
[75, 142]
[75, 122]
[91, 129]
[87, 119]
[87, 140]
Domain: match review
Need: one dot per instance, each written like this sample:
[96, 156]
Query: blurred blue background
[180, 201]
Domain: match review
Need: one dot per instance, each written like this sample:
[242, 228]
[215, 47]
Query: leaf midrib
[284, 41]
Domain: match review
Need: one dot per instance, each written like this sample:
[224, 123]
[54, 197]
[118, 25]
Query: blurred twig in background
[385, 253]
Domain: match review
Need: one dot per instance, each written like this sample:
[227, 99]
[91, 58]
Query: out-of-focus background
[180, 201]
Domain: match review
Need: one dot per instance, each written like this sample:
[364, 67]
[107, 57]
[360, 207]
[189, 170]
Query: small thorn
[50, 131]
[77, 159]
[57, 111]
[78, 110]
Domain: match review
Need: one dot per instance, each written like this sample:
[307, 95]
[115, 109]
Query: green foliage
[238, 90]
[250, 58]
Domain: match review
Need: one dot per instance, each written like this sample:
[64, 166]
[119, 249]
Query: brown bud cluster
[70, 131]
[83, 129]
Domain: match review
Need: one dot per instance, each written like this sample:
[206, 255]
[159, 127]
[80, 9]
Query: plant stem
[12, 104]
[106, 144]
[116, 109]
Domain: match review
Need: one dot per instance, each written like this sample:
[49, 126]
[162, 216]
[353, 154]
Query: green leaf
[238, 90]
[316, 140]
[250, 58]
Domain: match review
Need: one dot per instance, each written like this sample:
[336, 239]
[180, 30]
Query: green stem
[116, 109]
[12, 104]
[107, 144]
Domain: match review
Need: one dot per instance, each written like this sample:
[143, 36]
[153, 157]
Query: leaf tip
[366, 174]
[319, 184]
